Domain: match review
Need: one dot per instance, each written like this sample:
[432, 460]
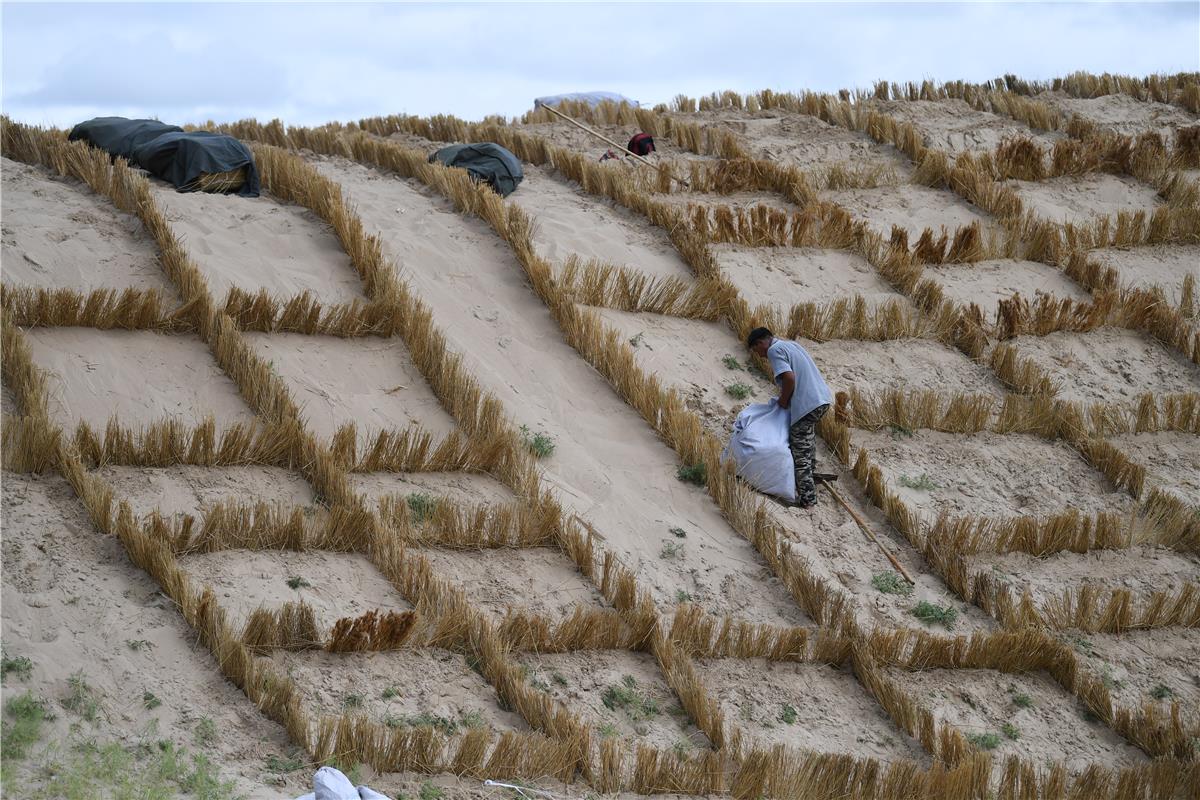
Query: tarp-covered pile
[593, 99]
[191, 161]
[486, 161]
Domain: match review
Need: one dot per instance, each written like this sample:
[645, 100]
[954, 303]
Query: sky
[309, 63]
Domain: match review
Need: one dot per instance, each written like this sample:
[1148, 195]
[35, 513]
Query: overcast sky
[312, 63]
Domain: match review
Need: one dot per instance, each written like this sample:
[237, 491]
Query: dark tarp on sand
[486, 161]
[120, 136]
[182, 158]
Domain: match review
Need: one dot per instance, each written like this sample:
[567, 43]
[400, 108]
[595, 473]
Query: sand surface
[534, 580]
[809, 143]
[58, 234]
[458, 487]
[830, 711]
[571, 222]
[1108, 364]
[1123, 114]
[1164, 266]
[74, 604]
[336, 585]
[911, 207]
[1081, 198]
[260, 243]
[429, 686]
[988, 282]
[623, 694]
[981, 702]
[1171, 459]
[185, 489]
[371, 382]
[955, 127]
[138, 376]
[873, 367]
[988, 474]
[784, 276]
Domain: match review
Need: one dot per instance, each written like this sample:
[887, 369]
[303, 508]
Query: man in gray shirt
[804, 393]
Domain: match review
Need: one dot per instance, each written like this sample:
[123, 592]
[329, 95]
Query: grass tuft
[1161, 692]
[738, 391]
[934, 614]
[422, 506]
[732, 363]
[81, 698]
[1010, 731]
[296, 582]
[891, 583]
[19, 666]
[984, 741]
[1022, 700]
[787, 714]
[541, 444]
[693, 473]
[922, 482]
[23, 718]
[626, 696]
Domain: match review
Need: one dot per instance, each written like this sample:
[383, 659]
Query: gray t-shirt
[811, 390]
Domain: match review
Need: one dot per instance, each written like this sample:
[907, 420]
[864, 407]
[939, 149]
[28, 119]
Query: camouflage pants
[802, 440]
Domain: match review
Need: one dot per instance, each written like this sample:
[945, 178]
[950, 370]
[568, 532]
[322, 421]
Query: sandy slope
[57, 233]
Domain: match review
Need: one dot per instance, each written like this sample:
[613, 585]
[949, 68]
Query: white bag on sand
[331, 784]
[759, 450]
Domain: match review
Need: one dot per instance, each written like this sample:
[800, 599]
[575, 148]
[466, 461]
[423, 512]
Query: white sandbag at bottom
[331, 784]
[759, 450]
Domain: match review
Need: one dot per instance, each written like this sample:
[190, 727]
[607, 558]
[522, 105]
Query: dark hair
[756, 335]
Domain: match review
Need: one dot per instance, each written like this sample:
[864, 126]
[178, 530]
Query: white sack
[759, 450]
[331, 784]
[367, 793]
[593, 99]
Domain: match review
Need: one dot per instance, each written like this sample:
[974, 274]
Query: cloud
[311, 63]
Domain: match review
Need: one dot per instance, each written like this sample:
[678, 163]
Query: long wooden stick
[862, 523]
[602, 137]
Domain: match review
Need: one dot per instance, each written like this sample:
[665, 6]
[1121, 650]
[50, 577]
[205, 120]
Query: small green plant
[138, 644]
[150, 701]
[681, 748]
[430, 792]
[678, 533]
[1109, 679]
[738, 391]
[984, 741]
[670, 549]
[81, 698]
[473, 719]
[900, 432]
[693, 473]
[608, 730]
[637, 338]
[787, 714]
[682, 597]
[922, 482]
[390, 693]
[281, 765]
[732, 363]
[891, 583]
[296, 582]
[205, 732]
[422, 506]
[558, 678]
[353, 700]
[1010, 731]
[1083, 645]
[627, 697]
[1161, 692]
[1022, 700]
[19, 666]
[24, 715]
[541, 444]
[934, 614]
